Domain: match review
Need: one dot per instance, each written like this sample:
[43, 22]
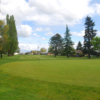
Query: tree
[89, 34]
[43, 50]
[18, 50]
[4, 38]
[56, 42]
[13, 43]
[68, 42]
[96, 43]
[34, 52]
[79, 46]
[51, 49]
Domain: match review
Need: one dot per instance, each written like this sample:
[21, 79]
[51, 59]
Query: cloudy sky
[38, 20]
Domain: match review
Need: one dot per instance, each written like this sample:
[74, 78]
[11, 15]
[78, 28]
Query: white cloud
[97, 8]
[28, 46]
[35, 34]
[47, 12]
[13, 7]
[78, 34]
[98, 33]
[56, 12]
[42, 29]
[49, 34]
[24, 31]
[75, 44]
[39, 29]
[43, 38]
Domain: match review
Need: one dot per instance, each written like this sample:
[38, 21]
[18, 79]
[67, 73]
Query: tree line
[64, 46]
[8, 36]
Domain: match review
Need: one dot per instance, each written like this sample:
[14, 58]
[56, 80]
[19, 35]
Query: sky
[38, 20]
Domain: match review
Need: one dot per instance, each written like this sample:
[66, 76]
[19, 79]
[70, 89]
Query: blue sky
[38, 20]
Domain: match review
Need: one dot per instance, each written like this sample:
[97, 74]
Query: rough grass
[27, 78]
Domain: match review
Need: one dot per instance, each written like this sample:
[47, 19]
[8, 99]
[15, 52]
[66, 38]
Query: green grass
[27, 78]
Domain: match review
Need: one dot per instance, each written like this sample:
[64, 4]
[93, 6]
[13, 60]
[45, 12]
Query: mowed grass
[25, 77]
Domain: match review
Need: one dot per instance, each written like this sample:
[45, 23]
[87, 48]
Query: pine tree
[79, 46]
[89, 34]
[68, 42]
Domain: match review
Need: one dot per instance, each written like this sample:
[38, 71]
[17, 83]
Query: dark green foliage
[68, 42]
[51, 49]
[71, 52]
[79, 46]
[13, 44]
[89, 34]
[56, 42]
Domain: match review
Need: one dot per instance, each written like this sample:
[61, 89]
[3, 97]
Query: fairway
[73, 74]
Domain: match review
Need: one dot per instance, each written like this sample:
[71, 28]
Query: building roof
[78, 51]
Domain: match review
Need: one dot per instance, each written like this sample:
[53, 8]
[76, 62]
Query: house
[22, 53]
[79, 53]
[50, 53]
[16, 53]
[28, 53]
[43, 53]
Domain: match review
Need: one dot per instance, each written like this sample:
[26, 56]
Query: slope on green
[77, 72]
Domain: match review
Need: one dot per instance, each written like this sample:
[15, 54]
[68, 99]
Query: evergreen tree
[79, 46]
[89, 34]
[68, 42]
[13, 43]
[56, 42]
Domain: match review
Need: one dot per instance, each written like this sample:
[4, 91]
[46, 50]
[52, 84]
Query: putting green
[78, 72]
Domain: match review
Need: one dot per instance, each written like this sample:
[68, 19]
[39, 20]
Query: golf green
[75, 72]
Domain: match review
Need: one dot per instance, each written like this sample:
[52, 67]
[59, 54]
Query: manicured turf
[25, 77]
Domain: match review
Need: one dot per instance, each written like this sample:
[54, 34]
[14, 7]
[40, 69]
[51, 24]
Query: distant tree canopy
[56, 42]
[34, 51]
[89, 34]
[43, 50]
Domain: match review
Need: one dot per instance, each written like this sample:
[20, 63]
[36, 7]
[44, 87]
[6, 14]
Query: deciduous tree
[4, 38]
[96, 43]
[43, 50]
[56, 42]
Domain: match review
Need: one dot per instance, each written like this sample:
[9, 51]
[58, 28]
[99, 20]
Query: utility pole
[38, 52]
